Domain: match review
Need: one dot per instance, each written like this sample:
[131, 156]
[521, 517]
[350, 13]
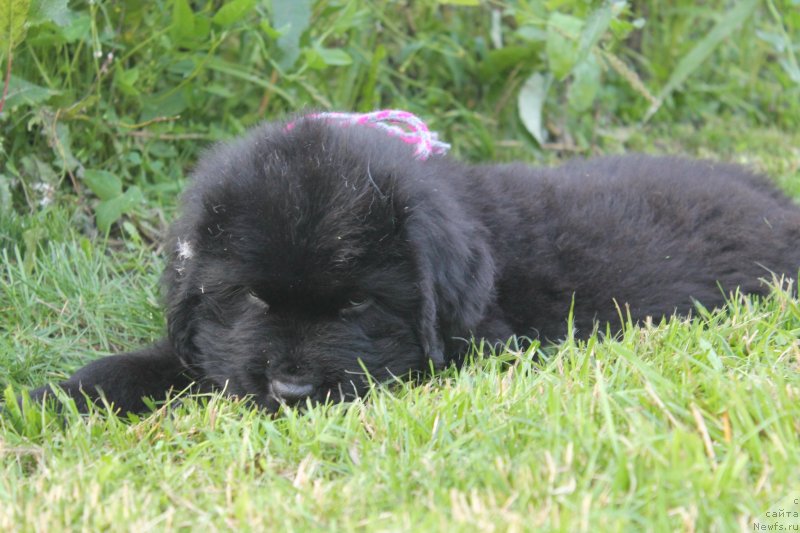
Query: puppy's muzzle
[289, 392]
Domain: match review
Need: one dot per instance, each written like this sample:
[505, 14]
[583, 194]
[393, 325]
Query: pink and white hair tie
[406, 126]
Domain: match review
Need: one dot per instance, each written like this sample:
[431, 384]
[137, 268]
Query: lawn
[687, 424]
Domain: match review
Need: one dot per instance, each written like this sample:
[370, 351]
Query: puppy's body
[308, 254]
[656, 233]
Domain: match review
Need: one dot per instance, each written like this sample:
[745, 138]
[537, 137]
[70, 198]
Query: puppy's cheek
[225, 357]
[390, 348]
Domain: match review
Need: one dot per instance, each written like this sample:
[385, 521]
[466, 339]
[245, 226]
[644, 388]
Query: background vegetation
[683, 425]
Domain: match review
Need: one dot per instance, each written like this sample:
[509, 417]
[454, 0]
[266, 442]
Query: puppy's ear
[455, 273]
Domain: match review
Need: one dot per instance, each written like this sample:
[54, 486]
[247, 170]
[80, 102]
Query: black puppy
[309, 252]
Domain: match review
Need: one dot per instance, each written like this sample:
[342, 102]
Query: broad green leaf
[49, 34]
[109, 211]
[501, 60]
[320, 58]
[166, 104]
[24, 92]
[313, 59]
[37, 171]
[334, 56]
[183, 67]
[585, 84]
[563, 32]
[55, 11]
[61, 142]
[291, 18]
[162, 150]
[106, 213]
[13, 14]
[530, 105]
[267, 28]
[726, 25]
[232, 12]
[183, 21]
[202, 30]
[125, 79]
[103, 184]
[531, 33]
[219, 90]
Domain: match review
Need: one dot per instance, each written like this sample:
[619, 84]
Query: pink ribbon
[406, 126]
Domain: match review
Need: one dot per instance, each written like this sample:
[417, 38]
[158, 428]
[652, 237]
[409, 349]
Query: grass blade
[697, 55]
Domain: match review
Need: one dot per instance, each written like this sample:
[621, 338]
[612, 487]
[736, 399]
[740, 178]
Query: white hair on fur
[184, 250]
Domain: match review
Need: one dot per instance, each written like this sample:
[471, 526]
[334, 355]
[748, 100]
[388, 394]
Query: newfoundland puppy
[315, 255]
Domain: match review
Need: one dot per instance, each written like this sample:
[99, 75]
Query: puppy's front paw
[39, 395]
[46, 395]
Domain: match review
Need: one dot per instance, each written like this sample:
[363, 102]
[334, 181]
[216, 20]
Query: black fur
[305, 256]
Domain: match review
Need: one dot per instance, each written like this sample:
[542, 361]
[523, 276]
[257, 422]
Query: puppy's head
[309, 258]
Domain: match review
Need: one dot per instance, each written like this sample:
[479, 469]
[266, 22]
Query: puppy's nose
[291, 392]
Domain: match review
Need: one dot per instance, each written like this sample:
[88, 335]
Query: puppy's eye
[355, 305]
[254, 299]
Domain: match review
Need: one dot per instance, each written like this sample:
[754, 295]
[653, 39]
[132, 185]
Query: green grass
[687, 425]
